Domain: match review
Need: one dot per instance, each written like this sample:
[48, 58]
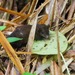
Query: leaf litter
[14, 13]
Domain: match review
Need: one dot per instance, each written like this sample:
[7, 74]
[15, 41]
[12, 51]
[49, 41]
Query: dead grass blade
[9, 22]
[43, 66]
[51, 12]
[11, 53]
[71, 39]
[38, 10]
[31, 35]
[64, 5]
[33, 6]
[26, 7]
[13, 12]
[68, 27]
[54, 68]
[43, 19]
[1, 73]
[19, 19]
[67, 64]
[19, 52]
[30, 42]
[58, 44]
[13, 71]
[72, 9]
[2, 3]
[34, 66]
[8, 69]
[68, 72]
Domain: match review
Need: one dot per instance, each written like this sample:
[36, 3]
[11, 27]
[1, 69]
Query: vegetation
[53, 56]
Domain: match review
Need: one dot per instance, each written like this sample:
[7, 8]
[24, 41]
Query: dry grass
[60, 15]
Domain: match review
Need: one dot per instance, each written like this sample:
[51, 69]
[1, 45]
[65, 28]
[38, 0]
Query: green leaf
[13, 39]
[27, 73]
[49, 47]
[47, 74]
[2, 27]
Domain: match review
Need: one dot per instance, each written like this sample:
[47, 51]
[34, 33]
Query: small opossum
[42, 32]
